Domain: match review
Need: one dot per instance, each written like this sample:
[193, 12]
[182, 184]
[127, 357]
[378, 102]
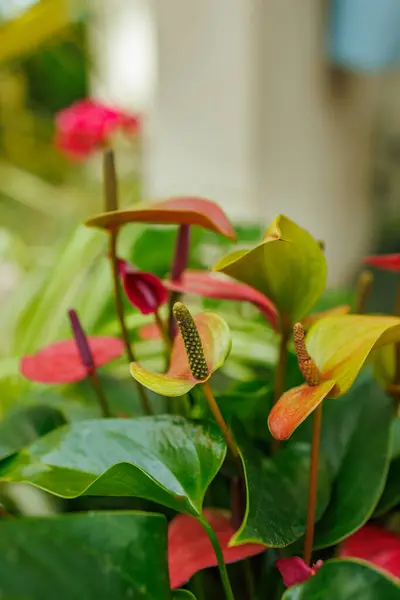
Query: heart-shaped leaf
[25, 425]
[345, 580]
[104, 555]
[277, 495]
[174, 211]
[210, 285]
[165, 459]
[190, 549]
[339, 346]
[178, 380]
[363, 470]
[376, 545]
[288, 267]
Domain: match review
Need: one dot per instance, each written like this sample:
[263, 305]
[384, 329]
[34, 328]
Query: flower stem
[181, 256]
[280, 373]
[96, 385]
[312, 490]
[364, 287]
[164, 335]
[110, 181]
[87, 360]
[226, 584]
[119, 307]
[219, 418]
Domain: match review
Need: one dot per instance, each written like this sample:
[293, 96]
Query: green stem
[313, 485]
[226, 584]
[280, 373]
[100, 395]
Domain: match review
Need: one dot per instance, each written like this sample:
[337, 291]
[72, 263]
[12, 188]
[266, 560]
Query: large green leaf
[98, 555]
[166, 459]
[363, 470]
[345, 580]
[25, 425]
[277, 495]
[288, 266]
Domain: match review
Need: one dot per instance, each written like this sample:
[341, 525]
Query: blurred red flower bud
[387, 262]
[294, 570]
[145, 291]
[87, 126]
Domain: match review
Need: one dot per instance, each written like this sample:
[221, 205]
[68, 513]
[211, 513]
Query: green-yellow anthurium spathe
[178, 380]
[288, 266]
[339, 346]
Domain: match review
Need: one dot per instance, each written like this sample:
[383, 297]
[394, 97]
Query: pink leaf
[190, 550]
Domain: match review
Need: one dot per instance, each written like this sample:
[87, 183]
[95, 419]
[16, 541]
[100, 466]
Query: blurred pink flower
[144, 290]
[87, 126]
[294, 570]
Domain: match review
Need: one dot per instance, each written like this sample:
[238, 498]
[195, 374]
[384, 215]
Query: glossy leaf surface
[178, 380]
[210, 285]
[190, 550]
[347, 580]
[101, 555]
[24, 426]
[175, 211]
[277, 493]
[288, 267]
[165, 459]
[363, 470]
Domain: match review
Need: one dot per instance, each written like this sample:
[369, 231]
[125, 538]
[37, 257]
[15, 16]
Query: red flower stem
[111, 203]
[220, 419]
[87, 359]
[181, 256]
[226, 584]
[119, 308]
[312, 490]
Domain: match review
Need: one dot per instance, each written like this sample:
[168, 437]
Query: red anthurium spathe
[375, 545]
[294, 570]
[339, 346]
[87, 126]
[61, 362]
[145, 291]
[387, 262]
[182, 210]
[211, 285]
[190, 550]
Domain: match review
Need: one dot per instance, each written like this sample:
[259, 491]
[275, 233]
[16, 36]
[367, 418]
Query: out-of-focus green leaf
[98, 555]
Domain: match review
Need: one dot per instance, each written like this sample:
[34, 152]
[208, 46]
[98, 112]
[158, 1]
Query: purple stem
[81, 341]
[181, 257]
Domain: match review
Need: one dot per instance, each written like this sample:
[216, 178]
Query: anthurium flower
[61, 362]
[145, 291]
[338, 348]
[294, 570]
[375, 545]
[184, 210]
[211, 285]
[190, 549]
[288, 267]
[387, 262]
[190, 366]
[87, 126]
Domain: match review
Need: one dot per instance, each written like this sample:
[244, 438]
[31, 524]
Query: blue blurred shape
[365, 34]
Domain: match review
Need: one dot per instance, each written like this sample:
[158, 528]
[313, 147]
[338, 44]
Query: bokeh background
[263, 106]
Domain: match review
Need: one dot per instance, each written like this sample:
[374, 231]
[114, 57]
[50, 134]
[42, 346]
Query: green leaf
[277, 494]
[166, 459]
[25, 425]
[182, 595]
[345, 580]
[288, 266]
[99, 555]
[363, 470]
[391, 494]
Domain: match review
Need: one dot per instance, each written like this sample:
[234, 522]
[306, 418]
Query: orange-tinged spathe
[339, 346]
